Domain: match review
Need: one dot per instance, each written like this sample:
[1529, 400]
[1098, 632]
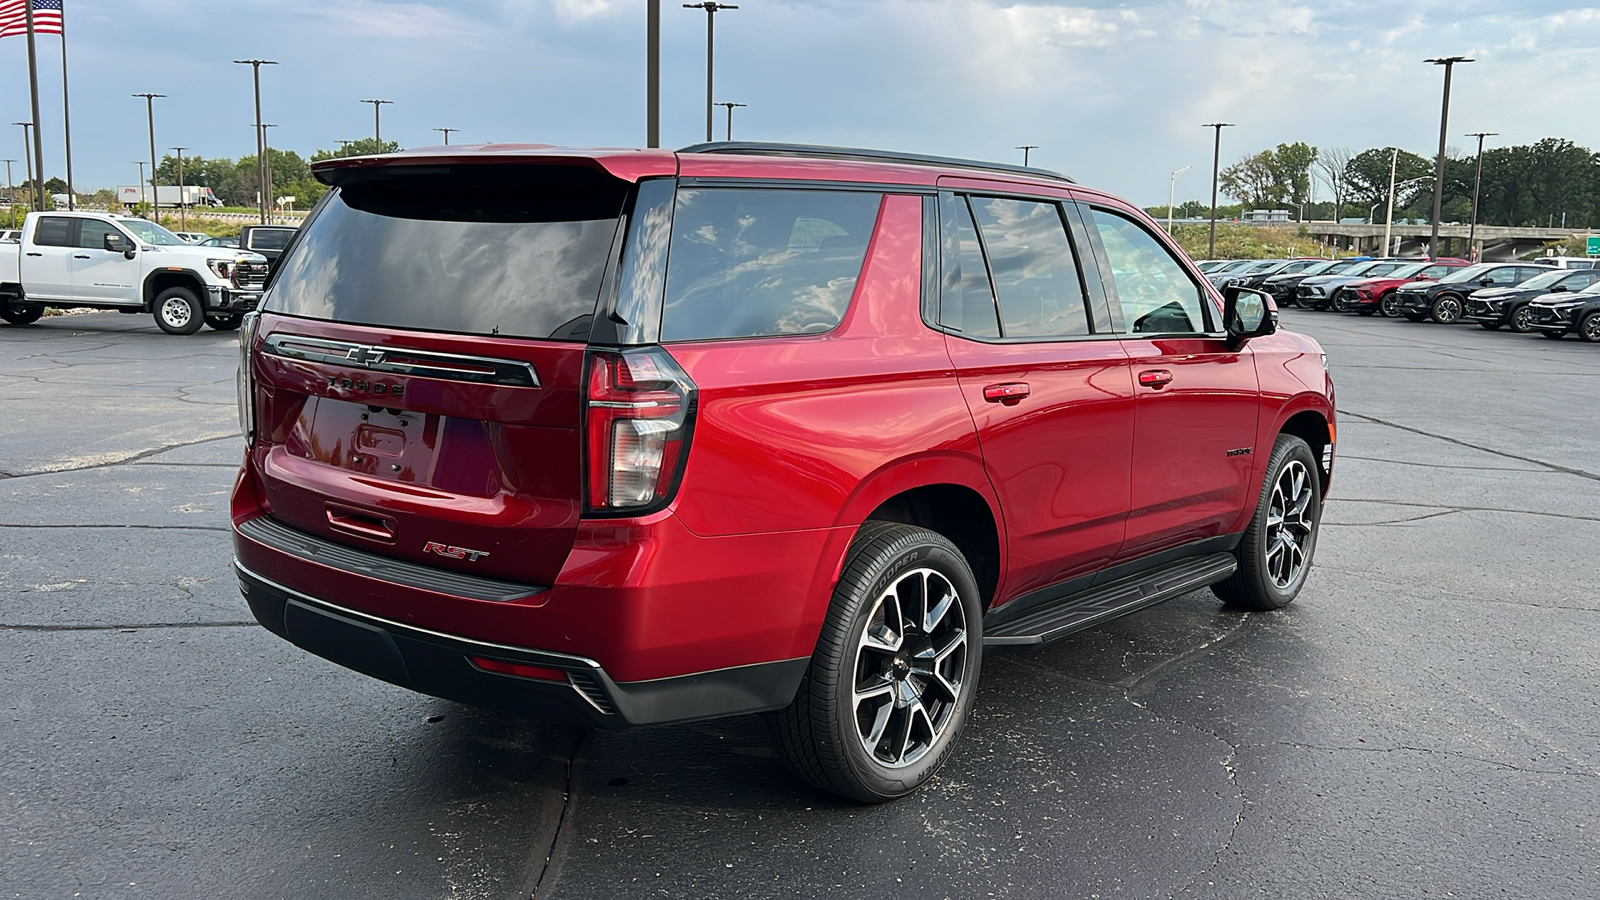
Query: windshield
[151, 233]
[1266, 266]
[1229, 267]
[1410, 271]
[1437, 271]
[1470, 273]
[1344, 265]
[516, 251]
[1591, 289]
[1546, 280]
[1364, 268]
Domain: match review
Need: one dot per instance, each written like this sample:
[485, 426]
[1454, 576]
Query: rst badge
[453, 552]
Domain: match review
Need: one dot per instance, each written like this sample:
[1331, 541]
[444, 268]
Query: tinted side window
[966, 297]
[92, 234]
[1034, 271]
[1156, 293]
[750, 262]
[53, 231]
[269, 238]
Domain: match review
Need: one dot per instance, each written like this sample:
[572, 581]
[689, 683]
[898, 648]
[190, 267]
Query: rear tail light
[244, 380]
[639, 411]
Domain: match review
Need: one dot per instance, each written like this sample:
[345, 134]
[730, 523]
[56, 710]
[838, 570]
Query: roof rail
[815, 151]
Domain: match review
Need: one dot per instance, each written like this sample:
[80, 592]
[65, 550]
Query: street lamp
[1449, 63]
[344, 147]
[27, 154]
[711, 7]
[142, 198]
[1025, 148]
[1216, 160]
[447, 134]
[183, 209]
[11, 194]
[1172, 194]
[730, 107]
[652, 74]
[377, 122]
[155, 184]
[1477, 180]
[255, 65]
[266, 155]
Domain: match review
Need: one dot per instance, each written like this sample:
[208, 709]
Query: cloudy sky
[1113, 94]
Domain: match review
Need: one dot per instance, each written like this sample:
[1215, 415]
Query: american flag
[14, 17]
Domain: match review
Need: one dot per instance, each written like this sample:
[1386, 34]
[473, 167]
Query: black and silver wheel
[1446, 309]
[895, 670]
[20, 313]
[1522, 319]
[178, 311]
[1275, 553]
[1589, 328]
[225, 321]
[1389, 305]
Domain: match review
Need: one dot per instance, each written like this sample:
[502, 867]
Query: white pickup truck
[104, 261]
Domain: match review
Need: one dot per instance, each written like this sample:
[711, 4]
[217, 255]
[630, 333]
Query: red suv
[628, 437]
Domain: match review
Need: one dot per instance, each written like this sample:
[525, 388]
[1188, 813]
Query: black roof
[815, 151]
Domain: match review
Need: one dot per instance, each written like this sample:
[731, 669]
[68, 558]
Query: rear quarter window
[753, 262]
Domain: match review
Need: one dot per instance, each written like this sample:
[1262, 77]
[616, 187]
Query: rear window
[518, 251]
[750, 262]
[269, 238]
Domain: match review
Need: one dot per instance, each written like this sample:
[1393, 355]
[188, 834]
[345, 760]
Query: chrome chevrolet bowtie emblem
[364, 356]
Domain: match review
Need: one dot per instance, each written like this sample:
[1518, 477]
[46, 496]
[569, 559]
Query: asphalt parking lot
[1422, 722]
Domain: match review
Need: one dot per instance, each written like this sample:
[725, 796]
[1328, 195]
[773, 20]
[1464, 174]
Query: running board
[1076, 612]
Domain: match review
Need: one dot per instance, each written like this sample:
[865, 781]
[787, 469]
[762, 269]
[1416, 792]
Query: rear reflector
[518, 669]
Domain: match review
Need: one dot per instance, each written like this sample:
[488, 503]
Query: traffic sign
[1592, 245]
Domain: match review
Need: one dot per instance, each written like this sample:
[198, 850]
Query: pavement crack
[1581, 473]
[1456, 508]
[136, 626]
[1527, 770]
[133, 458]
[1432, 465]
[559, 840]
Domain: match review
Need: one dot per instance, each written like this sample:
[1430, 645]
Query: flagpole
[66, 112]
[33, 85]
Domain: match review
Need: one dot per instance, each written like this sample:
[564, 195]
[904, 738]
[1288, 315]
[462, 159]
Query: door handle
[80, 256]
[1155, 379]
[1010, 393]
[35, 254]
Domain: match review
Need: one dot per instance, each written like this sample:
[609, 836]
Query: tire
[1446, 309]
[1553, 335]
[1489, 326]
[225, 323]
[1589, 328]
[1521, 320]
[1413, 316]
[1389, 305]
[178, 311]
[886, 741]
[1275, 553]
[21, 313]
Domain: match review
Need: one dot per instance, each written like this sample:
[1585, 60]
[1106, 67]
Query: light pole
[447, 134]
[1388, 221]
[1449, 63]
[183, 209]
[711, 7]
[652, 74]
[27, 170]
[1172, 194]
[1216, 160]
[266, 155]
[11, 194]
[730, 107]
[142, 198]
[1025, 148]
[377, 122]
[255, 65]
[1477, 180]
[155, 184]
[344, 147]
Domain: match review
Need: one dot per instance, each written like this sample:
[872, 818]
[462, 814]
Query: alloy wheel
[1446, 310]
[1522, 319]
[1289, 524]
[1390, 305]
[175, 312]
[1589, 328]
[911, 667]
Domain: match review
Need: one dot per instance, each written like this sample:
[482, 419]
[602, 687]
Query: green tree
[1253, 180]
[1367, 178]
[1291, 170]
[363, 147]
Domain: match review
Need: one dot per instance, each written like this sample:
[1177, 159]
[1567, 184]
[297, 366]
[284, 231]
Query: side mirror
[115, 243]
[1247, 313]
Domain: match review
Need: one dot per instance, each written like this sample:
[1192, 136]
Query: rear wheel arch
[961, 515]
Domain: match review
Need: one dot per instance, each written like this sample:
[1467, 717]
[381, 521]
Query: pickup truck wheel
[1275, 553]
[21, 313]
[1446, 309]
[1522, 320]
[178, 311]
[895, 671]
[225, 323]
[1589, 328]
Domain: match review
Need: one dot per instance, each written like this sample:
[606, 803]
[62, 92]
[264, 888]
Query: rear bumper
[443, 665]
